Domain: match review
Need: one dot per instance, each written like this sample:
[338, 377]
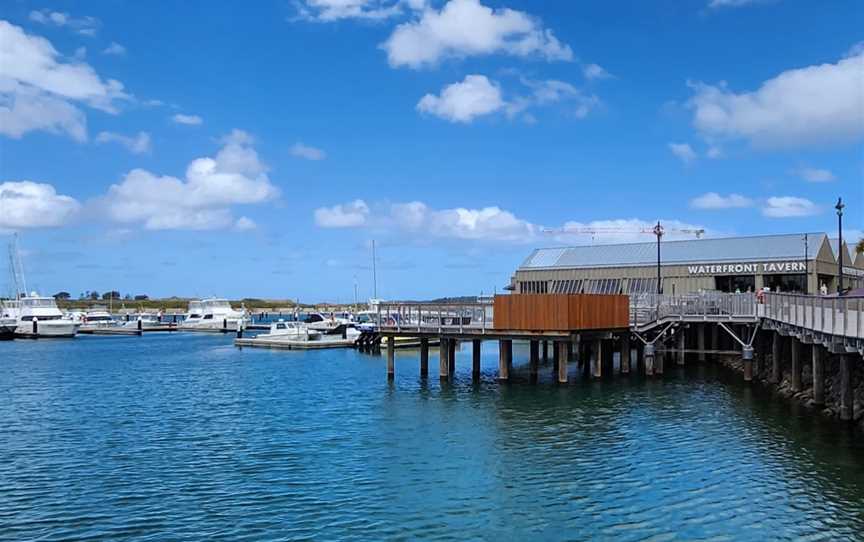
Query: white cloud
[114, 49]
[789, 206]
[138, 144]
[38, 90]
[235, 176]
[714, 152]
[416, 219]
[25, 204]
[466, 28]
[552, 91]
[335, 10]
[713, 200]
[684, 152]
[806, 106]
[245, 224]
[814, 175]
[475, 96]
[595, 71]
[348, 215]
[308, 152]
[86, 26]
[191, 120]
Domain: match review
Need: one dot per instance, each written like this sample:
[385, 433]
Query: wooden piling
[505, 358]
[424, 357]
[556, 356]
[391, 358]
[846, 397]
[818, 375]
[545, 351]
[443, 359]
[475, 358]
[624, 342]
[534, 358]
[563, 357]
[597, 360]
[775, 358]
[700, 339]
[795, 347]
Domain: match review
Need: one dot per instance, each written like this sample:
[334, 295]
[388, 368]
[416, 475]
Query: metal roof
[725, 249]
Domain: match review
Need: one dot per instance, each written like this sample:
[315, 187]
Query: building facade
[785, 263]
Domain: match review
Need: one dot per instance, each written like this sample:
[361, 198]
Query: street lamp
[806, 271]
[839, 208]
[658, 231]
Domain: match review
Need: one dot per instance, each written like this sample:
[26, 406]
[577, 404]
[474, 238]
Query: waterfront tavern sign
[748, 268]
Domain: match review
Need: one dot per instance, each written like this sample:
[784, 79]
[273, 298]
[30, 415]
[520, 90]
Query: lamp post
[658, 231]
[806, 271]
[839, 208]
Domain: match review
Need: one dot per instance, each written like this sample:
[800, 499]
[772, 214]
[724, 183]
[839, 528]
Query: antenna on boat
[17, 268]
[374, 273]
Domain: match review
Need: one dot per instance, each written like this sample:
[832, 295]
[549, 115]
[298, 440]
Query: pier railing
[440, 317]
[646, 309]
[840, 316]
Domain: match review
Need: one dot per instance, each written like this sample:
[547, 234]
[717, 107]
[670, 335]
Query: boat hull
[47, 329]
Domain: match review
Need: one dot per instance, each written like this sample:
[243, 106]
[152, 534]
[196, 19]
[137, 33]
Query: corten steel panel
[561, 312]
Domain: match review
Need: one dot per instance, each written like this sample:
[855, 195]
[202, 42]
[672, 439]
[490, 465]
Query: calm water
[186, 438]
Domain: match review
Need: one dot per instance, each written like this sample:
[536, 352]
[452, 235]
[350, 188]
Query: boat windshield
[219, 304]
[38, 302]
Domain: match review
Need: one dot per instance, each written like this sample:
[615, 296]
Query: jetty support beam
[818, 375]
[424, 357]
[564, 348]
[475, 359]
[505, 358]
[391, 358]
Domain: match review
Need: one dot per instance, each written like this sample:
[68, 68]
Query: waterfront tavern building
[785, 263]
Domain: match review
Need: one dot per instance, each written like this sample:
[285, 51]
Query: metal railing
[841, 316]
[646, 309]
[436, 317]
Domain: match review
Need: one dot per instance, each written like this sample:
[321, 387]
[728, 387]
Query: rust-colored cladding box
[561, 312]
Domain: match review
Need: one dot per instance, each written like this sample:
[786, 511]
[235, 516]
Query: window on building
[641, 286]
[786, 283]
[735, 283]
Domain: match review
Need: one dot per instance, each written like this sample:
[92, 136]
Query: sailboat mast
[374, 272]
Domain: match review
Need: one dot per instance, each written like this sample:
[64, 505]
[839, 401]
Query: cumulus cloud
[416, 219]
[475, 96]
[86, 26]
[713, 200]
[799, 107]
[38, 91]
[814, 175]
[346, 215]
[191, 120]
[307, 152]
[789, 207]
[595, 71]
[200, 201]
[467, 28]
[114, 49]
[684, 152]
[138, 144]
[26, 204]
[335, 10]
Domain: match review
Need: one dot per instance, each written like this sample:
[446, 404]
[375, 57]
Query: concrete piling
[747, 360]
[648, 357]
[795, 347]
[776, 345]
[700, 339]
[443, 359]
[818, 375]
[505, 358]
[475, 358]
[682, 342]
[391, 358]
[625, 354]
[597, 360]
[846, 397]
[424, 357]
[451, 356]
[534, 358]
[563, 357]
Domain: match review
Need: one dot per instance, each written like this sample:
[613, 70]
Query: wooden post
[505, 358]
[475, 365]
[534, 358]
[682, 344]
[451, 356]
[564, 348]
[597, 361]
[391, 357]
[700, 339]
[556, 355]
[818, 376]
[796, 363]
[424, 357]
[625, 354]
[545, 351]
[775, 358]
[443, 359]
[846, 398]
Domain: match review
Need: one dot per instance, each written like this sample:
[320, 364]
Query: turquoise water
[184, 437]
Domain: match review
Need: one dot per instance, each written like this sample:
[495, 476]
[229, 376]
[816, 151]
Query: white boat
[98, 317]
[7, 324]
[212, 314]
[297, 331]
[146, 320]
[325, 324]
[38, 316]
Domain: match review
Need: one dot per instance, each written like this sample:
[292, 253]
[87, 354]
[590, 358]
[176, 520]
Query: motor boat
[97, 317]
[329, 325]
[7, 325]
[141, 320]
[38, 316]
[293, 330]
[212, 315]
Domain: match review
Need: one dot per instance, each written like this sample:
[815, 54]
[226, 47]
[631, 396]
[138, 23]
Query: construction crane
[658, 231]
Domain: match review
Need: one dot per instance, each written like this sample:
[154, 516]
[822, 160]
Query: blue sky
[206, 148]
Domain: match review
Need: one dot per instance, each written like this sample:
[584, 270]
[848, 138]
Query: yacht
[146, 319]
[325, 324]
[38, 316]
[297, 331]
[212, 314]
[7, 324]
[98, 317]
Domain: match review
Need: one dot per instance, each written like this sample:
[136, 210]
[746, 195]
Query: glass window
[786, 283]
[736, 283]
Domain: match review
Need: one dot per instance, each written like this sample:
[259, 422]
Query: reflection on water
[185, 437]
